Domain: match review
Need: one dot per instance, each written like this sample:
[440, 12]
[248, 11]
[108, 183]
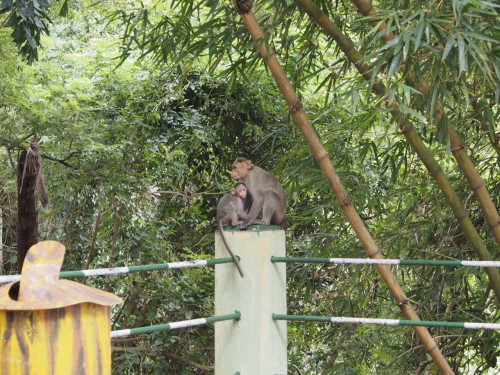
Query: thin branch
[62, 161]
[66, 164]
[189, 362]
[115, 349]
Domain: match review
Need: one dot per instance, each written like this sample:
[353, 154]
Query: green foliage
[136, 156]
[28, 19]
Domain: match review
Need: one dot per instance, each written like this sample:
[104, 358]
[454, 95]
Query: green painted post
[254, 344]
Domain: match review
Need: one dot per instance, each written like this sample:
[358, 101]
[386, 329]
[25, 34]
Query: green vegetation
[139, 108]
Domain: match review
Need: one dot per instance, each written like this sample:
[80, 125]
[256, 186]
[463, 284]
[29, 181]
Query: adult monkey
[233, 209]
[268, 195]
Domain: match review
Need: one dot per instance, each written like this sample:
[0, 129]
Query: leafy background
[140, 107]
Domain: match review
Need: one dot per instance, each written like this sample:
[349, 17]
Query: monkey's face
[241, 191]
[239, 170]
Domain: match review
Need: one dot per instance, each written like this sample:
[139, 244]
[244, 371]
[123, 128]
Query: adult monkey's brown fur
[232, 209]
[268, 195]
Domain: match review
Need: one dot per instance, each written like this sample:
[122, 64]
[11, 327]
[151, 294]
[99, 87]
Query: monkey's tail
[236, 261]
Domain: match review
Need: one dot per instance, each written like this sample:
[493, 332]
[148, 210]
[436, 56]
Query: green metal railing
[175, 325]
[387, 322]
[403, 262]
[130, 269]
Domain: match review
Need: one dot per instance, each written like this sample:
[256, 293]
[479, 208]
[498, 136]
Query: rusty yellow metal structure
[50, 326]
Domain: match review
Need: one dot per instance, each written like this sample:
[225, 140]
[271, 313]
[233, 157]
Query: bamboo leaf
[355, 99]
[480, 36]
[449, 45]
[395, 64]
[465, 92]
[407, 90]
[420, 32]
[493, 5]
[405, 109]
[490, 121]
[406, 45]
[64, 9]
[462, 64]
[389, 44]
[327, 80]
[477, 49]
[435, 92]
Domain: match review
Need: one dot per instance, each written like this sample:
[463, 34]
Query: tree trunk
[30, 188]
[324, 161]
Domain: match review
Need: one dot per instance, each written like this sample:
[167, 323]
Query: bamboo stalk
[425, 155]
[458, 149]
[324, 161]
[366, 9]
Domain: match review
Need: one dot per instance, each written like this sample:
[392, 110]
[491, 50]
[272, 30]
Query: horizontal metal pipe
[387, 322]
[175, 325]
[403, 262]
[130, 269]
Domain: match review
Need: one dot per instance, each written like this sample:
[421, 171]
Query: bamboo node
[461, 146]
[407, 129]
[243, 6]
[476, 188]
[296, 107]
[316, 17]
[435, 172]
[321, 157]
[346, 200]
[403, 303]
[431, 349]
[371, 255]
[265, 55]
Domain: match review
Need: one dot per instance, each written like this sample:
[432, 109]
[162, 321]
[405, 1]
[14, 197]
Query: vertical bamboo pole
[458, 149]
[343, 198]
[425, 155]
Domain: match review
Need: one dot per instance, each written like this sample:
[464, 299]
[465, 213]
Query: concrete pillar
[254, 345]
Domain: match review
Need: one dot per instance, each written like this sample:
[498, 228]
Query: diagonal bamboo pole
[357, 58]
[458, 149]
[343, 198]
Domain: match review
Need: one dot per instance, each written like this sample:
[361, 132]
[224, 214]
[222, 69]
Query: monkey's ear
[233, 191]
[248, 164]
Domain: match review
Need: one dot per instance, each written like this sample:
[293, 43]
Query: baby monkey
[232, 209]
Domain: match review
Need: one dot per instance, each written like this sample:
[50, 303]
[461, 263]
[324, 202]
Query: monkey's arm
[255, 211]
